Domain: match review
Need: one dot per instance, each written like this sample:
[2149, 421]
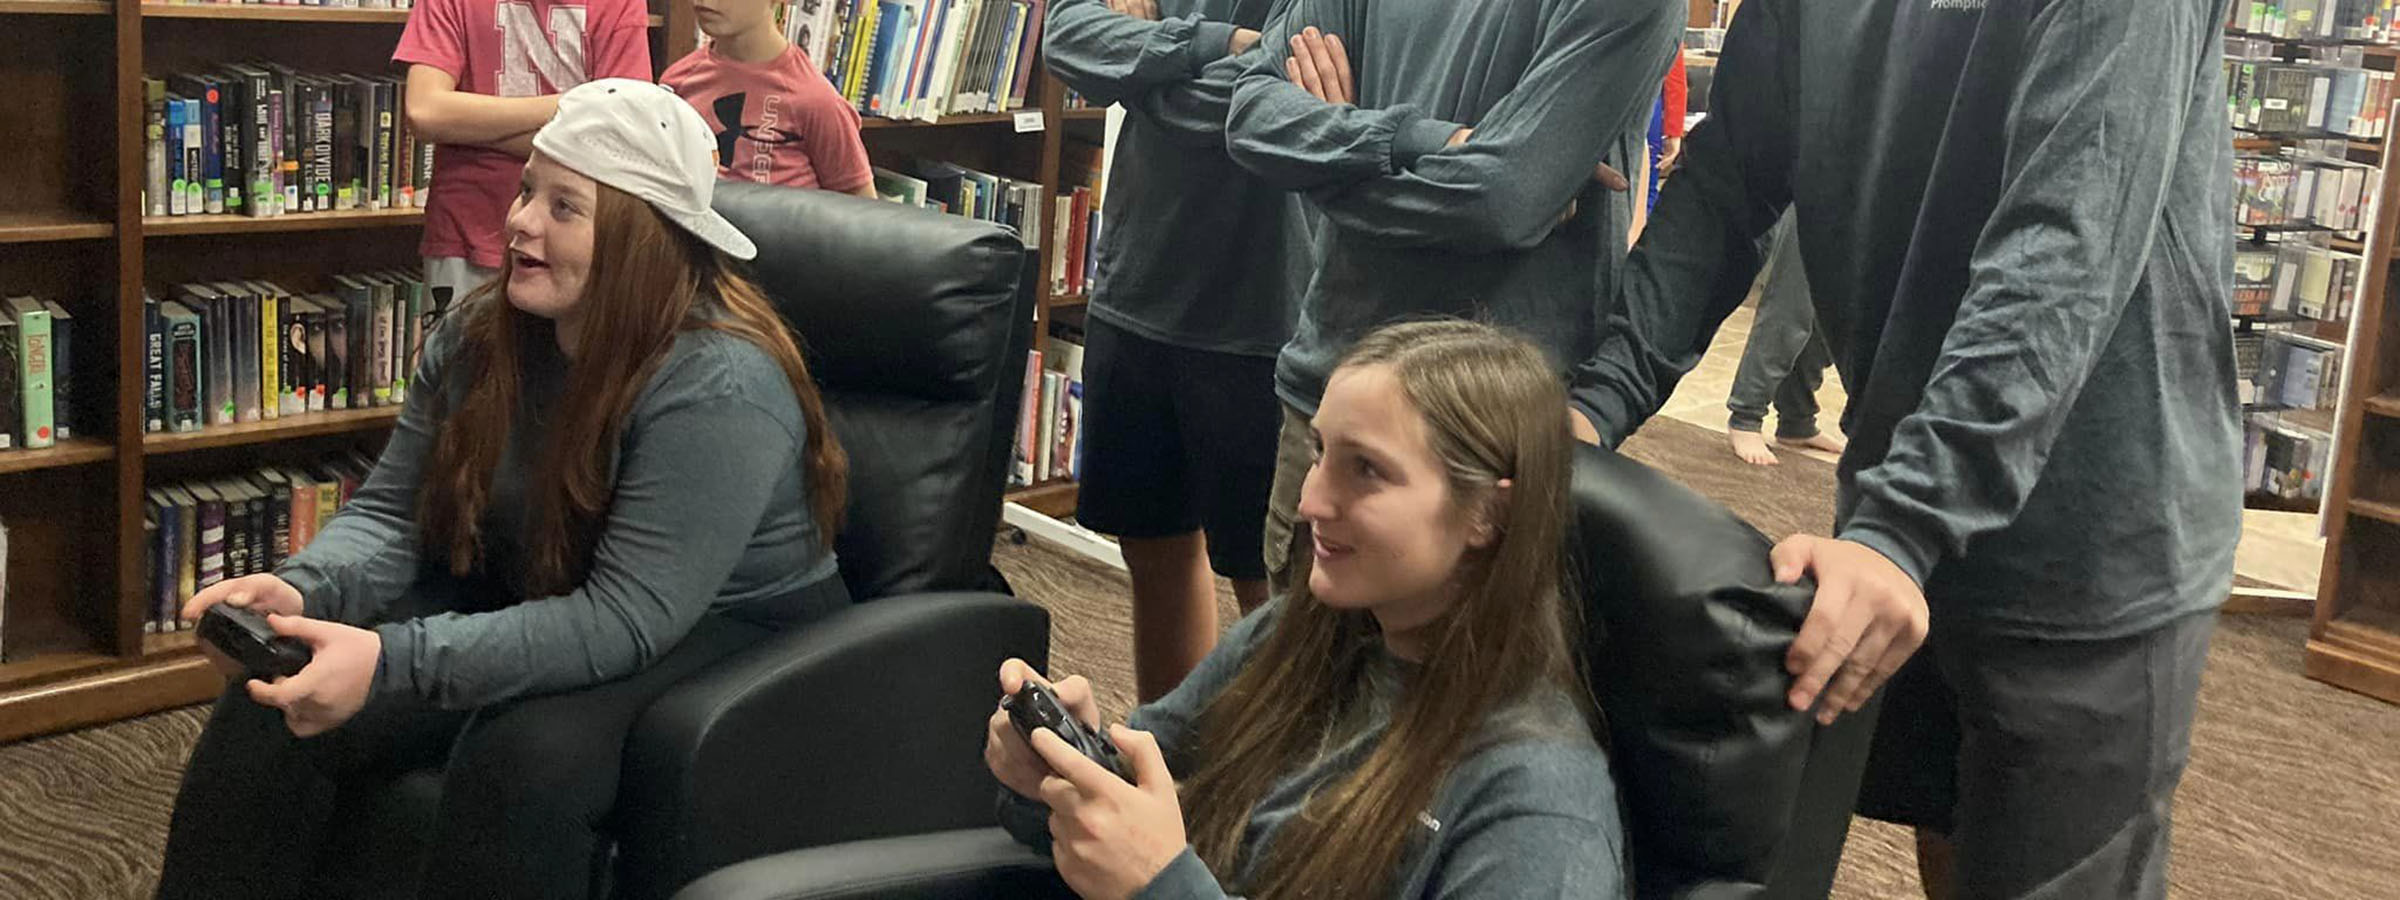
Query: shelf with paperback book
[2316, 21]
[200, 531]
[923, 60]
[261, 140]
[44, 401]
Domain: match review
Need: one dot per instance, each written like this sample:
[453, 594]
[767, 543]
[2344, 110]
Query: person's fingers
[1149, 764]
[1895, 654]
[1014, 673]
[1321, 56]
[1061, 796]
[1149, 9]
[1610, 178]
[1791, 557]
[1826, 637]
[1070, 763]
[1341, 68]
[278, 695]
[1303, 65]
[1856, 677]
[1075, 692]
[314, 631]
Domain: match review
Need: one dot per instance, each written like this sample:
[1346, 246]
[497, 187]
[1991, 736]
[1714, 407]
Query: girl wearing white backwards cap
[612, 469]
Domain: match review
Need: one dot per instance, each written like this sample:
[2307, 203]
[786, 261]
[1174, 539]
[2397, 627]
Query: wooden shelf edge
[133, 689]
[273, 12]
[2372, 509]
[265, 432]
[2353, 668]
[169, 226]
[44, 229]
[49, 667]
[1088, 113]
[58, 7]
[998, 118]
[80, 451]
[1055, 499]
[2385, 405]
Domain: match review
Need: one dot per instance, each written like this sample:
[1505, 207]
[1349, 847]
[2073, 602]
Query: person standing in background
[776, 118]
[1783, 362]
[483, 76]
[1198, 271]
[2014, 217]
[1454, 169]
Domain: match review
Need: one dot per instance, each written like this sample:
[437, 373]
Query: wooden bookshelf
[52, 225]
[2354, 637]
[77, 452]
[1056, 499]
[78, 594]
[57, 7]
[951, 121]
[169, 226]
[287, 428]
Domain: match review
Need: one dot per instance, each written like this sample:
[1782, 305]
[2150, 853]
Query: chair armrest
[944, 865]
[864, 724]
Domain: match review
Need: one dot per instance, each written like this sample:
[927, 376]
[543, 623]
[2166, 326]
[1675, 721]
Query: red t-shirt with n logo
[510, 48]
[776, 122]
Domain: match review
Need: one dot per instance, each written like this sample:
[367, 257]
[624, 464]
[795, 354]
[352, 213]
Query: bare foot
[1825, 441]
[1751, 447]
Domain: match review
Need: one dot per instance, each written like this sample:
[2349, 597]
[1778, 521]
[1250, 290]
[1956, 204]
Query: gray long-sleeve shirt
[1196, 253]
[709, 513]
[2014, 218]
[1529, 813]
[1414, 227]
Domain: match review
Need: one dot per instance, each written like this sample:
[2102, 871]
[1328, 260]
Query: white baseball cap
[640, 138]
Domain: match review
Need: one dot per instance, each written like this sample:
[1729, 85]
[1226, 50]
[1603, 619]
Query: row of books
[922, 59]
[220, 353]
[2314, 20]
[36, 350]
[961, 191]
[2282, 459]
[2292, 191]
[2331, 91]
[200, 532]
[2294, 278]
[1075, 218]
[341, 4]
[1050, 415]
[261, 139]
[2295, 371]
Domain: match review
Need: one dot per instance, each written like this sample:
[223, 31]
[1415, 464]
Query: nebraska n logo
[531, 54]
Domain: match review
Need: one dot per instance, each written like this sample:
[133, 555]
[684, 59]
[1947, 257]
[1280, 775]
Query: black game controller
[247, 639]
[1035, 706]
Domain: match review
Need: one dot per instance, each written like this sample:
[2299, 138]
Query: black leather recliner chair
[916, 326]
[1728, 792]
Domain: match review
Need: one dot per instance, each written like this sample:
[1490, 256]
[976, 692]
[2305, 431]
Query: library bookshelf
[72, 230]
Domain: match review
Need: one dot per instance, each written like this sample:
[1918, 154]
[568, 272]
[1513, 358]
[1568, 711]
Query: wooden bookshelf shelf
[2385, 405]
[998, 118]
[172, 643]
[111, 690]
[58, 7]
[169, 226]
[80, 451]
[257, 12]
[50, 667]
[51, 225]
[1094, 114]
[1070, 300]
[309, 425]
[2372, 509]
[1055, 499]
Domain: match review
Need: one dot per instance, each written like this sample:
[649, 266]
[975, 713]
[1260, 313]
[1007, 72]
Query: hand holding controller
[244, 638]
[1034, 706]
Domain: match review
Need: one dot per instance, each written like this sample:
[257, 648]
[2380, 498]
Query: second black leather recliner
[1728, 792]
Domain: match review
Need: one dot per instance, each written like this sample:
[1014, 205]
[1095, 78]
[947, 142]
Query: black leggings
[526, 786]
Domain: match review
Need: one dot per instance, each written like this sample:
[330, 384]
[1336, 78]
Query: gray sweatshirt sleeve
[2089, 154]
[699, 450]
[1389, 174]
[1702, 248]
[1108, 56]
[366, 557]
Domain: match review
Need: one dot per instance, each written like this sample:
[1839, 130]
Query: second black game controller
[1036, 706]
[246, 638]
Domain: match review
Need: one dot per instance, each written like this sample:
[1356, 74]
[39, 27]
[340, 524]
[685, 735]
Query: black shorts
[2051, 765]
[1176, 439]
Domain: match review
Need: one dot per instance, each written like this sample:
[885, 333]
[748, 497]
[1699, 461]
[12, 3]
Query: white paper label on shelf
[1029, 120]
[2278, 103]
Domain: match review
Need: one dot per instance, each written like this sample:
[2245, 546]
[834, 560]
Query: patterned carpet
[2293, 792]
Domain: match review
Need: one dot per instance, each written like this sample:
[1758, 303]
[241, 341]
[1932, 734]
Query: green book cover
[34, 375]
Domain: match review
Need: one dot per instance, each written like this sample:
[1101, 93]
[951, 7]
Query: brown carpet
[2293, 791]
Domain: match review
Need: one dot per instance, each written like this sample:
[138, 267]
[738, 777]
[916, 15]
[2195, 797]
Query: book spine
[62, 372]
[245, 314]
[12, 398]
[184, 371]
[279, 523]
[212, 143]
[159, 531]
[154, 368]
[270, 355]
[326, 388]
[232, 141]
[320, 147]
[266, 197]
[177, 169]
[379, 189]
[237, 534]
[380, 362]
[212, 543]
[154, 147]
[287, 163]
[34, 377]
[217, 337]
[303, 502]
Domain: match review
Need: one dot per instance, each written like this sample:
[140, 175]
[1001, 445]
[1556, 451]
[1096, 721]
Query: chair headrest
[1686, 635]
[887, 299]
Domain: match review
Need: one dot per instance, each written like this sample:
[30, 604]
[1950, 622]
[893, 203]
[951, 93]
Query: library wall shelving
[72, 230]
